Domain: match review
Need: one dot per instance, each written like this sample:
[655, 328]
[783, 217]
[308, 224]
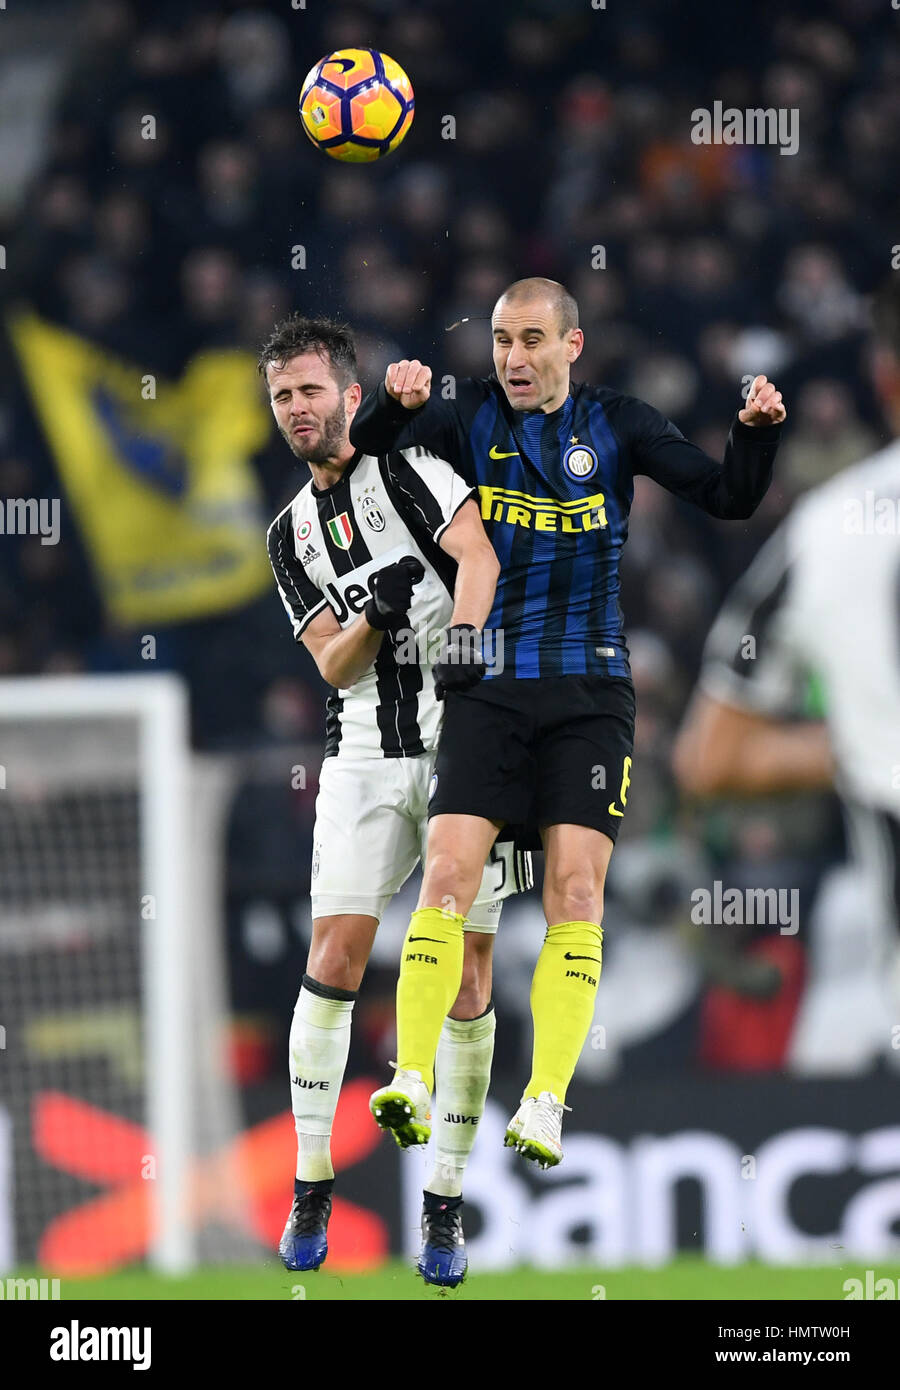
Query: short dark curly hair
[297, 334]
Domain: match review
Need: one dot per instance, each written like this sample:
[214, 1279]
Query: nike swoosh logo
[495, 453]
[567, 956]
[427, 938]
[612, 810]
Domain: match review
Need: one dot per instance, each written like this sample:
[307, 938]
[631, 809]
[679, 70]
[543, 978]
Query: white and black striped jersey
[822, 599]
[324, 548]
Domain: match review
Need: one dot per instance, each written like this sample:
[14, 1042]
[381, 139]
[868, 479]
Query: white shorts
[370, 832]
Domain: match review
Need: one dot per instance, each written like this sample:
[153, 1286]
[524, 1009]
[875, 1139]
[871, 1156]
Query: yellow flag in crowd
[157, 472]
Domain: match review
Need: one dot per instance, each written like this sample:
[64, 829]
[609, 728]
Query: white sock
[319, 1044]
[462, 1073]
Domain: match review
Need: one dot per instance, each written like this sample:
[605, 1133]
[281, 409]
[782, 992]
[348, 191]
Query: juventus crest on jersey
[324, 549]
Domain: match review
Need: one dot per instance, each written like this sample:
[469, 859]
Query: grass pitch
[684, 1279]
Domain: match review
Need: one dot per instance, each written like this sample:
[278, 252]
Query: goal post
[111, 942]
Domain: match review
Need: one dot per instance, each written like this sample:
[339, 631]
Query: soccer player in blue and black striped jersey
[546, 740]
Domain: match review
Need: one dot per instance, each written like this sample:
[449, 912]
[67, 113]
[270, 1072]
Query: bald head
[551, 292]
[536, 339]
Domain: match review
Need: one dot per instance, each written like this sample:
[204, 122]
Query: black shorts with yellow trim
[531, 753]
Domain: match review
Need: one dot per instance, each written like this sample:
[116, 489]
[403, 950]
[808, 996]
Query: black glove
[392, 593]
[462, 664]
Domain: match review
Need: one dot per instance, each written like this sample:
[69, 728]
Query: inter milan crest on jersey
[580, 462]
[373, 516]
[341, 531]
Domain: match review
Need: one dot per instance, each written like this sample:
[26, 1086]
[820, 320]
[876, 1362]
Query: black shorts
[533, 753]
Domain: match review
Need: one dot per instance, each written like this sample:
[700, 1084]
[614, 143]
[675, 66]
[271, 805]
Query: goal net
[116, 1113]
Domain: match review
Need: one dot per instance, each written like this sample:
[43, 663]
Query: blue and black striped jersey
[555, 492]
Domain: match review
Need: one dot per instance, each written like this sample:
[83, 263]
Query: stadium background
[571, 134]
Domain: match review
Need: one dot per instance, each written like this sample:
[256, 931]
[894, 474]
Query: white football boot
[535, 1131]
[404, 1108]
[514, 1128]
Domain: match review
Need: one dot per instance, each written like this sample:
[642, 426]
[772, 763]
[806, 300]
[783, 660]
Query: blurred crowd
[569, 154]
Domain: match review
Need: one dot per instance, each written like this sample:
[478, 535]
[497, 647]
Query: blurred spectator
[827, 436]
[253, 52]
[209, 285]
[816, 296]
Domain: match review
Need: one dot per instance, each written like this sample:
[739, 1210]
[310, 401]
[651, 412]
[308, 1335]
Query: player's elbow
[471, 549]
[485, 556]
[479, 568]
[329, 674]
[487, 559]
[742, 510]
[731, 508]
[742, 503]
[336, 673]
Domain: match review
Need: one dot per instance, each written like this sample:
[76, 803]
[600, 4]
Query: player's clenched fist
[392, 593]
[408, 382]
[462, 663]
[764, 405]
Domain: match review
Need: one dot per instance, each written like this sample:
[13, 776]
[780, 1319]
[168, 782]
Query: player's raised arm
[402, 411]
[732, 489]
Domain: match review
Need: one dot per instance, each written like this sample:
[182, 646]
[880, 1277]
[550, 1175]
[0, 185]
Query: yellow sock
[563, 990]
[430, 975]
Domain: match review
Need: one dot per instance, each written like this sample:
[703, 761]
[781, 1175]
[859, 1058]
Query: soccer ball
[357, 104]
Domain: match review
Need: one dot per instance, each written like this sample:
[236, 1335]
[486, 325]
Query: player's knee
[335, 969]
[335, 961]
[450, 882]
[574, 896]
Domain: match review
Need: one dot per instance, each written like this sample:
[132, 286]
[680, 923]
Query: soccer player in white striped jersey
[823, 598]
[375, 558]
